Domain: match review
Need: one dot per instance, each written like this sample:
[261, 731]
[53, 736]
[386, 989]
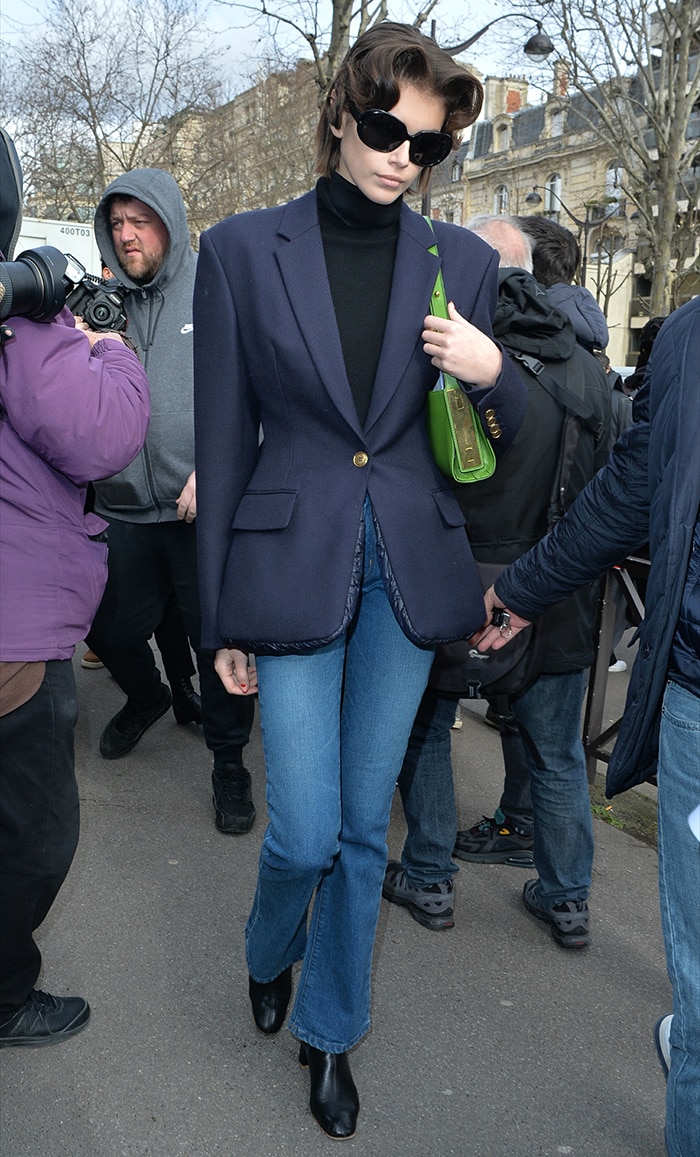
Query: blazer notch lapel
[302, 266]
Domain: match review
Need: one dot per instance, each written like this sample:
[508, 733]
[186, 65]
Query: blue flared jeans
[679, 888]
[335, 726]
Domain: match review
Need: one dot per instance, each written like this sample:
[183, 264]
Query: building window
[500, 199]
[552, 194]
[501, 138]
[457, 170]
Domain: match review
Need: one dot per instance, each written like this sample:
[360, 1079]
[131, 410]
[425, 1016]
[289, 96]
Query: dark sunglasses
[383, 132]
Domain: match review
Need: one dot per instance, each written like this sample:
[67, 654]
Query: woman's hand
[494, 634]
[457, 347]
[232, 668]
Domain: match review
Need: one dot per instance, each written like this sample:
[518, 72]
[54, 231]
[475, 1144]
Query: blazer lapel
[303, 268]
[415, 270]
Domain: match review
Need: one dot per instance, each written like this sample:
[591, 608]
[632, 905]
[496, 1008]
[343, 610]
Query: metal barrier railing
[632, 571]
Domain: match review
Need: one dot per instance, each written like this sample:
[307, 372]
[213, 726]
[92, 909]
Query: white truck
[74, 237]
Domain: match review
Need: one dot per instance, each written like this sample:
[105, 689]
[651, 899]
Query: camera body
[99, 302]
[42, 280]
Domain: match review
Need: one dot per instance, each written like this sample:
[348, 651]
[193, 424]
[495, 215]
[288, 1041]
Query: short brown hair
[371, 75]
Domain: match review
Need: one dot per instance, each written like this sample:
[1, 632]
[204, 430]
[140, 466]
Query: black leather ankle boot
[187, 705]
[270, 1001]
[333, 1100]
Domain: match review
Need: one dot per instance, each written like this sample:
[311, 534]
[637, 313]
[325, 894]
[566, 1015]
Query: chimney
[514, 99]
[561, 78]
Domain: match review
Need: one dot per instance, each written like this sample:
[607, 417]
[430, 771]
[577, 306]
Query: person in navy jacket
[335, 550]
[649, 491]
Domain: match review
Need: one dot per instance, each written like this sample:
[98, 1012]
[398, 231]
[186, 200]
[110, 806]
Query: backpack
[459, 671]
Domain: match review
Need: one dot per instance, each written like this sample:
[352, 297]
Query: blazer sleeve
[226, 421]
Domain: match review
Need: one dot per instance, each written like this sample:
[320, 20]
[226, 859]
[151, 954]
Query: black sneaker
[431, 905]
[232, 799]
[123, 732]
[495, 841]
[569, 920]
[45, 1020]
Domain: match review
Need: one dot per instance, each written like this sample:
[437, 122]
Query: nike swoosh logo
[187, 328]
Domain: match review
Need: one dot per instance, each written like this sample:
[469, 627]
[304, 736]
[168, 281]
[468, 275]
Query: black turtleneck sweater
[359, 243]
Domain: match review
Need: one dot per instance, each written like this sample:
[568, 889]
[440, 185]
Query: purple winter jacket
[69, 416]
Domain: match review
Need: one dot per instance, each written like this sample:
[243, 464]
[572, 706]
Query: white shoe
[662, 1035]
[91, 661]
[618, 666]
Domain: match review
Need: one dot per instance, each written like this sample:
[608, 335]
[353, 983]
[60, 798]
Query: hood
[587, 318]
[10, 195]
[527, 320]
[160, 192]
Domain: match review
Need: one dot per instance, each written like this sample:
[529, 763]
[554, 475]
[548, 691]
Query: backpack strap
[565, 397]
[576, 415]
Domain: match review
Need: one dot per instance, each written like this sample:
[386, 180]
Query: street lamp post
[585, 226]
[538, 48]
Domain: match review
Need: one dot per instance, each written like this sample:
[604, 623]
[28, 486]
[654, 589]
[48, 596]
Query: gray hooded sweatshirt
[160, 326]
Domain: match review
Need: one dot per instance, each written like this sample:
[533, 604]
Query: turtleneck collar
[345, 201]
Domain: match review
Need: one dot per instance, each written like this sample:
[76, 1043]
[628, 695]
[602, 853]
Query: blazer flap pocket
[265, 510]
[449, 508]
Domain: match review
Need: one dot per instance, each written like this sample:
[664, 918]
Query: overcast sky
[497, 53]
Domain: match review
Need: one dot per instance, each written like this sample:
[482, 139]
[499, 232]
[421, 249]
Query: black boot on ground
[270, 1001]
[333, 1100]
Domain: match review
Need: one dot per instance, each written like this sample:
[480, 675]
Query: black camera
[99, 302]
[41, 281]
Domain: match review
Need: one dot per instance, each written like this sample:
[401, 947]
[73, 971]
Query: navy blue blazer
[278, 527]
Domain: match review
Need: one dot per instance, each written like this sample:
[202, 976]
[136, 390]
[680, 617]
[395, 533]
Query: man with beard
[142, 232]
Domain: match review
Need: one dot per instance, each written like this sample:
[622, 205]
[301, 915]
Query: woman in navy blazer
[335, 551]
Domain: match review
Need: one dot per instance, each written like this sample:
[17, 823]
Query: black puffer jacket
[508, 512]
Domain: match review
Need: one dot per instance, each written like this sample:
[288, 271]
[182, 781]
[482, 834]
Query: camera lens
[101, 314]
[32, 286]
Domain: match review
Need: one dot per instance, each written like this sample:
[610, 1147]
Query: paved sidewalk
[488, 1040]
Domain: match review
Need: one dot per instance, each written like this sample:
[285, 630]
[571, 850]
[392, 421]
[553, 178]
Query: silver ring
[505, 632]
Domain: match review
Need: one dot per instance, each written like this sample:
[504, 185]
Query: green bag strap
[438, 299]
[438, 308]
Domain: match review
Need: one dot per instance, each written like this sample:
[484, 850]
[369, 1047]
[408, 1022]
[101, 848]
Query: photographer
[74, 407]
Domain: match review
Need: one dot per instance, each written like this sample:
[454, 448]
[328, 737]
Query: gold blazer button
[360, 459]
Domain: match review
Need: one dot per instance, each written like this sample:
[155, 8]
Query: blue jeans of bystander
[679, 886]
[550, 714]
[427, 793]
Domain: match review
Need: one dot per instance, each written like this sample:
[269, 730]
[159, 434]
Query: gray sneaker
[432, 906]
[569, 920]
